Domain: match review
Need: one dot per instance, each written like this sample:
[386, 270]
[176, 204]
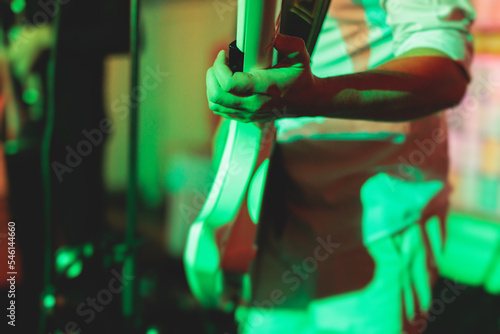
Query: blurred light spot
[17, 6]
[49, 301]
[30, 96]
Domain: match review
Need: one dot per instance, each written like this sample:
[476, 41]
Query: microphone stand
[129, 290]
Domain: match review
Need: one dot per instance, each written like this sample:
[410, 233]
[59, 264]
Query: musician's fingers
[246, 83]
[239, 83]
[289, 44]
[213, 86]
[223, 111]
[270, 110]
[244, 115]
[294, 50]
[222, 71]
[254, 82]
[217, 95]
[229, 113]
[249, 104]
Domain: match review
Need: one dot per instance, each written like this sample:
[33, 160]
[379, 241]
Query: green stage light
[67, 260]
[49, 301]
[17, 6]
[75, 269]
[88, 250]
[15, 32]
[30, 96]
[152, 330]
[64, 258]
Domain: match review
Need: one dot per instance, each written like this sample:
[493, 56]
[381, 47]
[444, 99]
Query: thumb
[288, 44]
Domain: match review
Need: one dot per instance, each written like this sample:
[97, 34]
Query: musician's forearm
[402, 89]
[394, 103]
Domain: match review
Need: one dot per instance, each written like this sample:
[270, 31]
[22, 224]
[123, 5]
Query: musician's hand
[285, 90]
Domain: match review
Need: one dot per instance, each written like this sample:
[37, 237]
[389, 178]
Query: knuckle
[245, 119]
[227, 85]
[242, 81]
[209, 74]
[215, 97]
[301, 44]
[214, 107]
[237, 104]
[257, 103]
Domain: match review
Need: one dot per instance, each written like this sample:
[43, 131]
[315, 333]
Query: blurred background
[179, 41]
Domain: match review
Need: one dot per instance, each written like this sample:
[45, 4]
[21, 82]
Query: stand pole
[129, 291]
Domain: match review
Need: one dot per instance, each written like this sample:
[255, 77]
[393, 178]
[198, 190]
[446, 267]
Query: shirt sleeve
[439, 24]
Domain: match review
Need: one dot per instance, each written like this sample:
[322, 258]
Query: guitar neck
[258, 23]
[304, 18]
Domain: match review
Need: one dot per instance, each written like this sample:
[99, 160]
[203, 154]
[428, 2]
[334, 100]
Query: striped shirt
[361, 180]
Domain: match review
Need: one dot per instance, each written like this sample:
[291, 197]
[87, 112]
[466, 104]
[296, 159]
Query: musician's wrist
[329, 98]
[310, 102]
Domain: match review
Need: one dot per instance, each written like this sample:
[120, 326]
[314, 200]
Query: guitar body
[221, 241]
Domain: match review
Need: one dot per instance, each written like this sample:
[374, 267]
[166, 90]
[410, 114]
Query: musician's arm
[419, 82]
[415, 84]
[433, 49]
